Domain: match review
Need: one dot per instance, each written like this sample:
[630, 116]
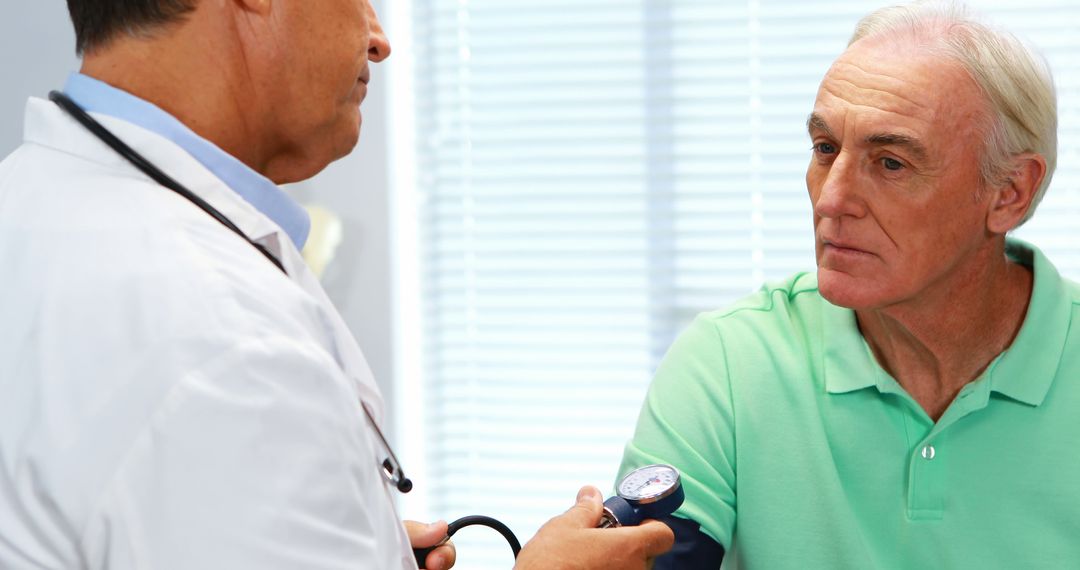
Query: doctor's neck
[200, 71]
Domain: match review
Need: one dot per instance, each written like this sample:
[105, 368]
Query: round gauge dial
[649, 484]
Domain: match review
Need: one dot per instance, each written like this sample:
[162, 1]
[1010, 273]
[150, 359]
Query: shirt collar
[848, 363]
[98, 97]
[1024, 372]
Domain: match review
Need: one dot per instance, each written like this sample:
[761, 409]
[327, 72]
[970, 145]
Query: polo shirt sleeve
[688, 422]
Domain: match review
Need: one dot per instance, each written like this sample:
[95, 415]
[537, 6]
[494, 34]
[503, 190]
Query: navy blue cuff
[693, 550]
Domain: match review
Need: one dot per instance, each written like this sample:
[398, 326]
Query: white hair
[1015, 79]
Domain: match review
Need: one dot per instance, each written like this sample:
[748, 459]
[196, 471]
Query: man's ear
[1011, 200]
[256, 6]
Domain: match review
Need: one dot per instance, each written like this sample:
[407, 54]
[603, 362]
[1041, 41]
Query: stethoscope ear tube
[515, 546]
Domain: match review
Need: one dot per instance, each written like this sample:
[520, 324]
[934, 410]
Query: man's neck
[935, 345]
[193, 87]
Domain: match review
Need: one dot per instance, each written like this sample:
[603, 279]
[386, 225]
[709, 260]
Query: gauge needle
[647, 483]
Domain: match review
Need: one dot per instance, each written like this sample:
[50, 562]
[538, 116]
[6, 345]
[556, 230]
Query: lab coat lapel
[48, 125]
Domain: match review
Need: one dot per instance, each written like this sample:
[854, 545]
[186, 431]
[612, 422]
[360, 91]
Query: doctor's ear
[256, 6]
[1011, 199]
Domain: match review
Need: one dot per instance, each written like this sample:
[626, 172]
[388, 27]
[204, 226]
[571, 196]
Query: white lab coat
[168, 398]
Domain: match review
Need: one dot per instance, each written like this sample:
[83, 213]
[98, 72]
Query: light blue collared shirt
[98, 97]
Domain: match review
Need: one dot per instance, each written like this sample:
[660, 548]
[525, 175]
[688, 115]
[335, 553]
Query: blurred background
[546, 192]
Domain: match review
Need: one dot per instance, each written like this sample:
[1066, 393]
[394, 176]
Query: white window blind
[590, 175]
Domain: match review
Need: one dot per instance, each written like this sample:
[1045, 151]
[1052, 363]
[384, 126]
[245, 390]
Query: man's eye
[824, 148]
[891, 164]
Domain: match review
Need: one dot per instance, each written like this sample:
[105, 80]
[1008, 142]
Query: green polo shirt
[797, 450]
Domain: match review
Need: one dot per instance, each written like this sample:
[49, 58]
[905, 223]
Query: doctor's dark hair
[99, 21]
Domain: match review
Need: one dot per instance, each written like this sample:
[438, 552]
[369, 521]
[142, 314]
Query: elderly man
[177, 391]
[914, 404]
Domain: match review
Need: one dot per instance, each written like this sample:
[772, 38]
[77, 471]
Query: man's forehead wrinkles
[866, 90]
[871, 76]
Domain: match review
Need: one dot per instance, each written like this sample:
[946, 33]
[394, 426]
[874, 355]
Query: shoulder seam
[787, 292]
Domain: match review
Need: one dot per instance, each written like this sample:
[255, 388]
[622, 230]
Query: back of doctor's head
[97, 22]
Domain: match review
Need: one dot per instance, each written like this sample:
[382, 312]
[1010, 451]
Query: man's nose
[378, 45]
[839, 193]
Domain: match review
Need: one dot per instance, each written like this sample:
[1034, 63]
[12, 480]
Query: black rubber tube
[472, 520]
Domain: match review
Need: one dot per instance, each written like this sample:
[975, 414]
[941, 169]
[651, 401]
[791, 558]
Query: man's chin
[847, 291]
[344, 141]
[302, 166]
[352, 137]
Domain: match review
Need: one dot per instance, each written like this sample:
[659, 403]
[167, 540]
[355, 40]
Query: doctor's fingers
[625, 548]
[584, 514]
[571, 541]
[651, 538]
[442, 558]
[423, 535]
[428, 535]
[566, 548]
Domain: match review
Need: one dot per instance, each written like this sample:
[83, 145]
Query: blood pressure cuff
[693, 550]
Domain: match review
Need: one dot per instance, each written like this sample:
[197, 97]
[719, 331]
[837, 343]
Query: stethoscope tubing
[146, 167]
[391, 466]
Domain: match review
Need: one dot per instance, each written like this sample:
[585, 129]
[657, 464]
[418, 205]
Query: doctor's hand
[424, 535]
[571, 541]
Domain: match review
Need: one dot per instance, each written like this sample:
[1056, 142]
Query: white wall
[37, 50]
[36, 54]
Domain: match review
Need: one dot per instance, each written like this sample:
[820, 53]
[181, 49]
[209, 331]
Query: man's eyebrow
[815, 122]
[893, 139]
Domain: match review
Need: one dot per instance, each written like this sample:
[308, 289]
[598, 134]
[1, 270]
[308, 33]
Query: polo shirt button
[928, 452]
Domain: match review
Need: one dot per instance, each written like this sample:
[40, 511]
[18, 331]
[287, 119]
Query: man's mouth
[842, 245]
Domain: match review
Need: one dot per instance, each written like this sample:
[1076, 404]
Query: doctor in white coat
[169, 398]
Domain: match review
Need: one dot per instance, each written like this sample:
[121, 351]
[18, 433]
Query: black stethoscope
[390, 466]
[148, 168]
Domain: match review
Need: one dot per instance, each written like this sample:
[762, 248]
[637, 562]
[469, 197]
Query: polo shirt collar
[848, 363]
[1024, 372]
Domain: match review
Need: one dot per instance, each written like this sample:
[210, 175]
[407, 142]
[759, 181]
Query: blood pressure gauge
[650, 492]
